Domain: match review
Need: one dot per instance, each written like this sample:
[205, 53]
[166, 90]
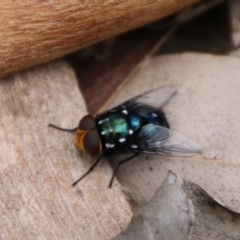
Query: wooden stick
[33, 32]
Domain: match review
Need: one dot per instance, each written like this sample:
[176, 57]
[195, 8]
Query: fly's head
[87, 137]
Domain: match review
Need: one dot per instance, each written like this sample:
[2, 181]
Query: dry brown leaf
[169, 215]
[212, 220]
[182, 211]
[207, 111]
[39, 164]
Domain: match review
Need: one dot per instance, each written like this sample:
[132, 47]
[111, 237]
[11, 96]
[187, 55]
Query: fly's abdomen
[156, 118]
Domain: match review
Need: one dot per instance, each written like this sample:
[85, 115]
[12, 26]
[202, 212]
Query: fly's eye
[92, 142]
[86, 123]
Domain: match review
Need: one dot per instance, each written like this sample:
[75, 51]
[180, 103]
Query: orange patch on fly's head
[89, 141]
[79, 138]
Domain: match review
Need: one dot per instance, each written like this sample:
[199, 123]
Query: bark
[33, 32]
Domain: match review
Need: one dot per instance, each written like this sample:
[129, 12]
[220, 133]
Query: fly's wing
[156, 98]
[149, 101]
[154, 139]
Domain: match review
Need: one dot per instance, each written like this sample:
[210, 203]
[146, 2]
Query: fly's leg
[63, 129]
[89, 170]
[119, 164]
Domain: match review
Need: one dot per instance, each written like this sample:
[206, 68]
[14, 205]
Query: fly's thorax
[114, 129]
[120, 128]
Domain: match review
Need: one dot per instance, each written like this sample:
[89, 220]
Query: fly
[136, 126]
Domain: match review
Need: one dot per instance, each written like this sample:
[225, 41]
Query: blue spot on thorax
[135, 121]
[138, 122]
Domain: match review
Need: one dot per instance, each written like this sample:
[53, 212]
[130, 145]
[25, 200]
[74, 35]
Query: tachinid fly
[136, 126]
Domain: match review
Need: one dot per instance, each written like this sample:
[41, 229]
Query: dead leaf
[207, 111]
[169, 215]
[182, 211]
[212, 219]
[39, 164]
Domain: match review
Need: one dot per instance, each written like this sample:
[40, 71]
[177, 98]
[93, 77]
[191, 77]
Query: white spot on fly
[103, 120]
[154, 114]
[134, 146]
[109, 145]
[103, 133]
[122, 140]
[130, 131]
[125, 111]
